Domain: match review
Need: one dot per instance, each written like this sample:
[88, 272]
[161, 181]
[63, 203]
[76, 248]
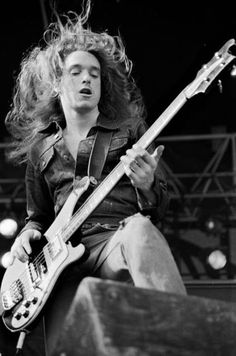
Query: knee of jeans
[140, 231]
[124, 222]
[135, 219]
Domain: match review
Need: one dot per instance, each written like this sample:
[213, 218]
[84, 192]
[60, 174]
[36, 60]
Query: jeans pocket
[98, 228]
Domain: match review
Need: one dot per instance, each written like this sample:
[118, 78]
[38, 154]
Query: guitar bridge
[12, 296]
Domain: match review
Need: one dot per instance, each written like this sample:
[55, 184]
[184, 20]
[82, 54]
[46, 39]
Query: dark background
[167, 42]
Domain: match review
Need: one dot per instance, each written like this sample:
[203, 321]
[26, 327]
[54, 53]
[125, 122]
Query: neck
[81, 122]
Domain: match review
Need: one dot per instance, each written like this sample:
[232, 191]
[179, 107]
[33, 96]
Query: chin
[84, 108]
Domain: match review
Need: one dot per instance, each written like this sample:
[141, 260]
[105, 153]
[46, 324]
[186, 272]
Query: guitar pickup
[12, 296]
[36, 269]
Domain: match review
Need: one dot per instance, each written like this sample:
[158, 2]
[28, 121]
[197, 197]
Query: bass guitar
[25, 287]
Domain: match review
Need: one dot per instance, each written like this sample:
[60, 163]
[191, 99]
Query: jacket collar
[53, 132]
[102, 122]
[107, 123]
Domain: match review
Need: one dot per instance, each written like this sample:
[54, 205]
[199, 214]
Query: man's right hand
[21, 248]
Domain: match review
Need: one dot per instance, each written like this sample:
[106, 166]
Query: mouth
[86, 91]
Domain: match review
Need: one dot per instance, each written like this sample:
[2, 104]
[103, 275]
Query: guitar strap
[99, 153]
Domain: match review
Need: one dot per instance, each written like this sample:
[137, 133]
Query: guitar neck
[154, 130]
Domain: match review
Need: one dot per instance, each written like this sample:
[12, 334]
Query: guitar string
[23, 282]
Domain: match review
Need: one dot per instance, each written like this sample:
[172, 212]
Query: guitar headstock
[211, 70]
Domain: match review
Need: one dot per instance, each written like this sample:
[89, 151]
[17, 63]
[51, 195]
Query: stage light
[210, 224]
[5, 259]
[213, 225]
[8, 227]
[217, 259]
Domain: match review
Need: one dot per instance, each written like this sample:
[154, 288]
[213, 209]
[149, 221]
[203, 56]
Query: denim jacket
[52, 171]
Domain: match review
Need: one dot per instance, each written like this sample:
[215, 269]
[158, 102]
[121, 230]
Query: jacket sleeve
[155, 202]
[40, 210]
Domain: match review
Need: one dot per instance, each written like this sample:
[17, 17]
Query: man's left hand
[140, 166]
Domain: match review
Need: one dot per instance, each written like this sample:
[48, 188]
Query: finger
[130, 168]
[136, 153]
[11, 259]
[127, 169]
[37, 235]
[137, 166]
[158, 152]
[26, 246]
[125, 160]
[26, 238]
[144, 159]
[146, 162]
[139, 160]
[21, 253]
[22, 245]
[131, 165]
[133, 158]
[21, 248]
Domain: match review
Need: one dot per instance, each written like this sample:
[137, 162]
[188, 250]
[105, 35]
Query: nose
[86, 77]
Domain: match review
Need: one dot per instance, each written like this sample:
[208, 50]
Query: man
[76, 86]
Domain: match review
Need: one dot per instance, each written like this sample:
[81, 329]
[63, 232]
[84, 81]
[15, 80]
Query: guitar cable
[20, 343]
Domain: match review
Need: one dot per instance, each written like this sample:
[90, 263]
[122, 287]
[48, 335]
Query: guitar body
[26, 286]
[33, 294]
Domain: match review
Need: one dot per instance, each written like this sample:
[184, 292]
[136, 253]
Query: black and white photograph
[118, 178]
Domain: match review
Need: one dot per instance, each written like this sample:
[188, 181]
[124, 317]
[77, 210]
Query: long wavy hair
[35, 101]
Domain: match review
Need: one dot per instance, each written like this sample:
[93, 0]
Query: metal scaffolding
[200, 170]
[201, 173]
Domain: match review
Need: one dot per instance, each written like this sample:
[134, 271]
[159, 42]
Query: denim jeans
[138, 252]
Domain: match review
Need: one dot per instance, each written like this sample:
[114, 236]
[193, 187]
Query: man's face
[81, 82]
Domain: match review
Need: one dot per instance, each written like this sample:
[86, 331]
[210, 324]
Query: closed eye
[95, 73]
[75, 72]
